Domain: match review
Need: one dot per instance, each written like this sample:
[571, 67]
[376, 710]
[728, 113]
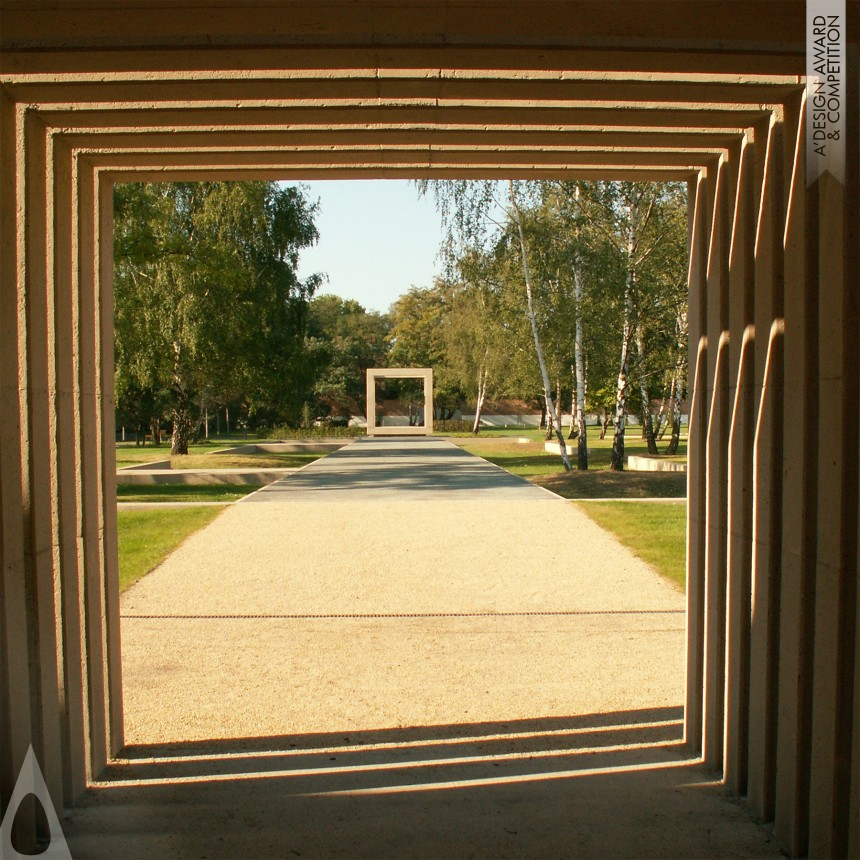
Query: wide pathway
[402, 650]
[400, 469]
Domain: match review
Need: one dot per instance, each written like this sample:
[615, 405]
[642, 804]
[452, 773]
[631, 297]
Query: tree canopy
[569, 295]
[209, 306]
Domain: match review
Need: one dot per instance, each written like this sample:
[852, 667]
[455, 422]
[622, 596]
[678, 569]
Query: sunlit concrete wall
[772, 695]
[656, 90]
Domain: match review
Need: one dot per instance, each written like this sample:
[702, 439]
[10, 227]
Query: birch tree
[477, 342]
[471, 211]
[639, 220]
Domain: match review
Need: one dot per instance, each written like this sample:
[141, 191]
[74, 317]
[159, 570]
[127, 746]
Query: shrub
[452, 425]
[315, 433]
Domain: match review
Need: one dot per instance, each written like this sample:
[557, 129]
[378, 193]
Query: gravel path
[395, 583]
[402, 651]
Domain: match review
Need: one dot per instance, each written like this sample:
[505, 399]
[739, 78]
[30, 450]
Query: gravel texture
[402, 651]
[464, 596]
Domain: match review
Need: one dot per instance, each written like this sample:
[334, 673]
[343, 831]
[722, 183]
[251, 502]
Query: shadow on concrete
[391, 467]
[604, 785]
[420, 480]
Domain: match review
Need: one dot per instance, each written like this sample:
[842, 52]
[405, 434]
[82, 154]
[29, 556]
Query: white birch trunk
[619, 421]
[645, 396]
[572, 433]
[676, 412]
[662, 415]
[547, 385]
[579, 361]
[619, 417]
[482, 392]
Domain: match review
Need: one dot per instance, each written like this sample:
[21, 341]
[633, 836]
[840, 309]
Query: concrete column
[740, 472]
[107, 472]
[836, 567]
[15, 672]
[854, 796]
[852, 264]
[91, 458]
[835, 571]
[716, 543]
[698, 208]
[40, 500]
[799, 504]
[68, 479]
[767, 477]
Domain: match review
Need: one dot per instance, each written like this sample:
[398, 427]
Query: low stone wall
[551, 447]
[198, 477]
[654, 464]
[310, 446]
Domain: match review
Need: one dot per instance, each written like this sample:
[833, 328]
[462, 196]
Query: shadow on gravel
[390, 467]
[603, 785]
[557, 735]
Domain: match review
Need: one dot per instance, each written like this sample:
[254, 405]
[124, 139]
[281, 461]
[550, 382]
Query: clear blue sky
[377, 239]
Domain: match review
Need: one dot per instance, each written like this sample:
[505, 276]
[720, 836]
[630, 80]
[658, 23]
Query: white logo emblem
[31, 781]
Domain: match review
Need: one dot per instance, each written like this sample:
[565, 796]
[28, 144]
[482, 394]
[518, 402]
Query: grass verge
[183, 492]
[287, 460]
[655, 532]
[531, 461]
[595, 484]
[129, 454]
[146, 538]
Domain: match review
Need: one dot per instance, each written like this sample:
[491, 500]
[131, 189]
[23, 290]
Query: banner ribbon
[825, 89]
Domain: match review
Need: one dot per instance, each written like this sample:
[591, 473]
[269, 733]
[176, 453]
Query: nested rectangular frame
[423, 373]
[97, 161]
[749, 269]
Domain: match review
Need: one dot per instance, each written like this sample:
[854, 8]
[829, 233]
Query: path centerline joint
[363, 615]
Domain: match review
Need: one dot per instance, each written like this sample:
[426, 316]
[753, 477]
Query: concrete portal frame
[106, 91]
[425, 373]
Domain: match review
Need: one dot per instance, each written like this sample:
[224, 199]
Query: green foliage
[209, 309]
[183, 492]
[418, 338]
[532, 459]
[624, 244]
[267, 460]
[325, 432]
[452, 425]
[343, 341]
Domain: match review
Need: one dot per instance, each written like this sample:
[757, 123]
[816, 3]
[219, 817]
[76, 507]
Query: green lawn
[287, 460]
[530, 460]
[183, 492]
[205, 456]
[129, 454]
[606, 484]
[654, 531]
[148, 537]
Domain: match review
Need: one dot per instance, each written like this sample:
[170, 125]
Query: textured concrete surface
[404, 651]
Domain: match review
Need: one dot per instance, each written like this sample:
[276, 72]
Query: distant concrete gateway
[375, 425]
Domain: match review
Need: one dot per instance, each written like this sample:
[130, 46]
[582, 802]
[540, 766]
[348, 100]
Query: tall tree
[207, 294]
[418, 338]
[472, 211]
[641, 221]
[343, 341]
[477, 346]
